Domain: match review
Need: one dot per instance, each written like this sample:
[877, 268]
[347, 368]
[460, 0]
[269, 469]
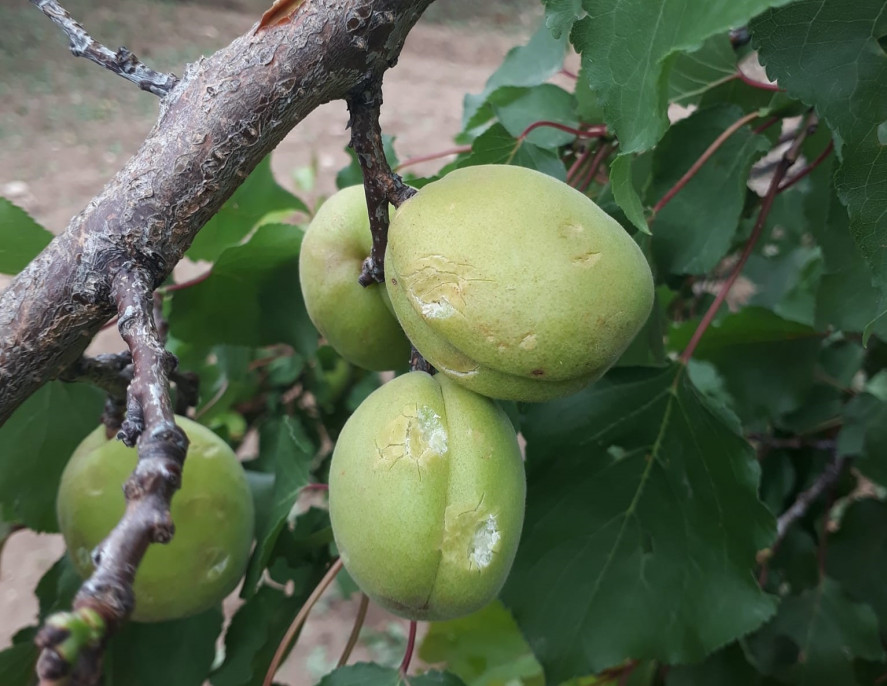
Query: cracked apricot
[426, 497]
[212, 512]
[514, 284]
[356, 321]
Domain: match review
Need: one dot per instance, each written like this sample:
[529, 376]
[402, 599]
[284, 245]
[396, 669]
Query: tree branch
[123, 62]
[162, 447]
[228, 111]
[382, 186]
[798, 509]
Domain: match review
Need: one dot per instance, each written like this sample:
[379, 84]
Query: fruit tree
[602, 401]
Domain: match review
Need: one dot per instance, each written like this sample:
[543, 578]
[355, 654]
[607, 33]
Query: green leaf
[485, 648]
[527, 65]
[826, 53]
[560, 15]
[17, 665]
[526, 106]
[37, 441]
[258, 195]
[626, 194]
[727, 667]
[281, 441]
[767, 362]
[21, 238]
[864, 434]
[177, 653]
[829, 630]
[56, 589]
[694, 231]
[497, 146]
[695, 73]
[857, 555]
[642, 526]
[251, 298]
[627, 48]
[369, 674]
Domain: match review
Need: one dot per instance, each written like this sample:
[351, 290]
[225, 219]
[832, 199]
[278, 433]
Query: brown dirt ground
[66, 127]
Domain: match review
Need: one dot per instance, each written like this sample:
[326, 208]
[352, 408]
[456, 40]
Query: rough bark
[227, 112]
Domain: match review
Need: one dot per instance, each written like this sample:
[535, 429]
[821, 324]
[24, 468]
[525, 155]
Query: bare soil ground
[66, 126]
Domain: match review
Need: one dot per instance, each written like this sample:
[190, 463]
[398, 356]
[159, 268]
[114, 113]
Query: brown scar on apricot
[538, 372]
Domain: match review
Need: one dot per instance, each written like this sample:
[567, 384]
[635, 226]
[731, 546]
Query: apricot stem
[302, 615]
[355, 630]
[411, 644]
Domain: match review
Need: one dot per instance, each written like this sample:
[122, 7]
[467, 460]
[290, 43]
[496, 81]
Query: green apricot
[213, 514]
[356, 321]
[513, 283]
[426, 496]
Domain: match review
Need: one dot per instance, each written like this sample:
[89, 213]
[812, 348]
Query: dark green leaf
[829, 631]
[281, 442]
[625, 192]
[256, 197]
[368, 674]
[693, 232]
[695, 73]
[642, 527]
[864, 434]
[767, 363]
[484, 649]
[177, 653]
[727, 667]
[56, 589]
[252, 297]
[627, 48]
[560, 15]
[826, 53]
[257, 629]
[497, 146]
[857, 555]
[37, 441]
[17, 665]
[21, 238]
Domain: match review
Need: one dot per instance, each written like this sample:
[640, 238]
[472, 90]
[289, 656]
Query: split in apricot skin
[212, 512]
[356, 321]
[514, 284]
[426, 496]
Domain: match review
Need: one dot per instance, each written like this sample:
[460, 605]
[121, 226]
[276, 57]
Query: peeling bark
[227, 112]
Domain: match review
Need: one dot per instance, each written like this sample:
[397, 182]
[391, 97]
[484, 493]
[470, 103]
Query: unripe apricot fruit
[212, 512]
[426, 496]
[513, 283]
[356, 321]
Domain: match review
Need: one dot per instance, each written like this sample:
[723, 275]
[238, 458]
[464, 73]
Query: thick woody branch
[382, 186]
[122, 62]
[162, 447]
[228, 111]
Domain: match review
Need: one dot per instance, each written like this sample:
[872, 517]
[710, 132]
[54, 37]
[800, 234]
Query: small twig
[460, 150]
[694, 168]
[788, 159]
[123, 62]
[574, 169]
[382, 186]
[355, 630]
[300, 620]
[798, 509]
[171, 288]
[113, 374]
[602, 154]
[597, 131]
[809, 168]
[411, 646]
[161, 448]
[757, 84]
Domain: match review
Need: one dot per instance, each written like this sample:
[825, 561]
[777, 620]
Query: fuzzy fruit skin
[356, 321]
[427, 491]
[513, 283]
[213, 514]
